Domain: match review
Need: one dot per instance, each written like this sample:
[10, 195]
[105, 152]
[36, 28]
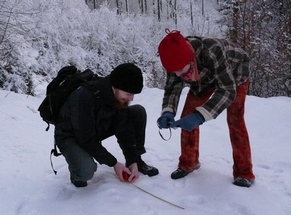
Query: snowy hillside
[28, 185]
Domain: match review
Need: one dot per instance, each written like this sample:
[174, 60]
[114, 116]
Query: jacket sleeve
[225, 85]
[173, 89]
[83, 122]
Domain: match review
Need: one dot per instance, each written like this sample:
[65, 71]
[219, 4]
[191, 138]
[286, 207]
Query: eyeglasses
[188, 73]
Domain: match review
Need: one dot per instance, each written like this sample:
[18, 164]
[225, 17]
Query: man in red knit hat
[217, 72]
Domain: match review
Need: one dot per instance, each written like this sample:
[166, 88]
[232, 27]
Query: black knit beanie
[127, 77]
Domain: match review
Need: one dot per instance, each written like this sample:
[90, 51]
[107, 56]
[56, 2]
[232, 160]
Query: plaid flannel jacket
[222, 65]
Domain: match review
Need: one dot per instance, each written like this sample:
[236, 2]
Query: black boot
[78, 183]
[146, 169]
[242, 182]
[179, 173]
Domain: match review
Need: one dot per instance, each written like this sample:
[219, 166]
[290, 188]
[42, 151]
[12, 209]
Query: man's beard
[122, 104]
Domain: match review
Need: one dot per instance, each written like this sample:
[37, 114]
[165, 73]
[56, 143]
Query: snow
[28, 185]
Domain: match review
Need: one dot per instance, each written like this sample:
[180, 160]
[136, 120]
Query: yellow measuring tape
[158, 197]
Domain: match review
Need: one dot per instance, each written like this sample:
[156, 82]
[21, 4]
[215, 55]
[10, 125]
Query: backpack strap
[54, 152]
[48, 126]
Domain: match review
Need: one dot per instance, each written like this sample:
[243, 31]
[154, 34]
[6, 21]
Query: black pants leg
[81, 165]
[139, 119]
[135, 114]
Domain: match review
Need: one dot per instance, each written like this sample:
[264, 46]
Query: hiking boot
[242, 182]
[146, 169]
[78, 183]
[180, 173]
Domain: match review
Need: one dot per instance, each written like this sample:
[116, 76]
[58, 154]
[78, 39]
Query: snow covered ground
[28, 185]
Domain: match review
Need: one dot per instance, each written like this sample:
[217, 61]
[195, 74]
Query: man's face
[123, 98]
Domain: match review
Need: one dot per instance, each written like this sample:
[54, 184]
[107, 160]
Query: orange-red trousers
[239, 138]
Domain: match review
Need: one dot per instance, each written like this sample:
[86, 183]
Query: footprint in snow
[236, 208]
[66, 192]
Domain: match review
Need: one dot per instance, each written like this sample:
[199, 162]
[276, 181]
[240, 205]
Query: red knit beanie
[174, 51]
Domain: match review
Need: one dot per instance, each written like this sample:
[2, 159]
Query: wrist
[168, 113]
[200, 116]
[115, 164]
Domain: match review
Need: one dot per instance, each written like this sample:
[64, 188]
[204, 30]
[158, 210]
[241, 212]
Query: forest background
[38, 37]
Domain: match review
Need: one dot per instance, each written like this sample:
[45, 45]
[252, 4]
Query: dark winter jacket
[221, 64]
[89, 119]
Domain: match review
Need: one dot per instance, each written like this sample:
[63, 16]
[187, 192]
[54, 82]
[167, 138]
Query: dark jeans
[82, 165]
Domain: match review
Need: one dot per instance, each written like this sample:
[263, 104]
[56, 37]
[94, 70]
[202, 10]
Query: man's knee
[138, 111]
[84, 171]
[88, 172]
[81, 164]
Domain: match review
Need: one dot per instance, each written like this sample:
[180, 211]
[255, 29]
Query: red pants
[239, 138]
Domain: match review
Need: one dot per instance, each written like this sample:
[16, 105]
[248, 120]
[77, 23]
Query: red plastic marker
[125, 175]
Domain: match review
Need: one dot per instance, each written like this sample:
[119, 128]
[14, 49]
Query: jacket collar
[106, 92]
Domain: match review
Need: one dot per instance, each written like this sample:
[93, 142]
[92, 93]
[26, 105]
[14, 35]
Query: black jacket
[88, 119]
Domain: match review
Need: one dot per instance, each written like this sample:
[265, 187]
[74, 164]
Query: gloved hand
[189, 122]
[165, 120]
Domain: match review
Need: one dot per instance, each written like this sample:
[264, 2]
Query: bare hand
[132, 171]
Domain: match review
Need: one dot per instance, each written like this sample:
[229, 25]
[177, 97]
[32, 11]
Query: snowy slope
[29, 187]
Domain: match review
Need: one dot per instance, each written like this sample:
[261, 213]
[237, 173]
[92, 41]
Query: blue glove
[189, 122]
[165, 120]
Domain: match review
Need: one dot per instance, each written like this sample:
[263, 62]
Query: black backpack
[68, 79]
